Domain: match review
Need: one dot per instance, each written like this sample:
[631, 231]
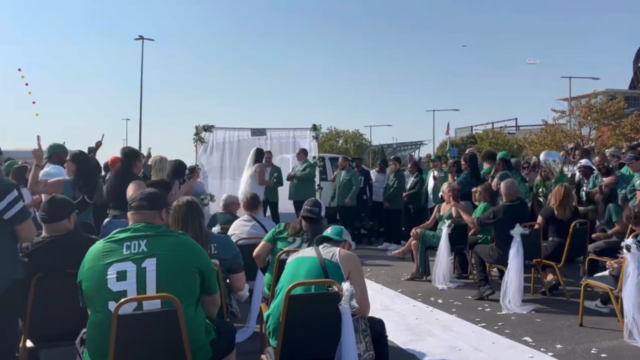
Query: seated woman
[187, 216]
[294, 235]
[423, 239]
[611, 229]
[556, 219]
[485, 198]
[468, 180]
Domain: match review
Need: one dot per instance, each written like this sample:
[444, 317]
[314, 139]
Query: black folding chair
[310, 324]
[247, 246]
[150, 334]
[52, 298]
[222, 285]
[576, 246]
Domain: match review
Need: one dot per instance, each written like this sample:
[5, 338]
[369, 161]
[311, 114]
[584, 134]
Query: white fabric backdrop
[223, 157]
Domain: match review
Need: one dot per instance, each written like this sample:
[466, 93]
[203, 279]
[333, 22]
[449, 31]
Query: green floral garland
[200, 130]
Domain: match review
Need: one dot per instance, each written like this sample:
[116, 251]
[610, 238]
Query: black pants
[377, 218]
[11, 303]
[297, 206]
[483, 254]
[412, 217]
[462, 262]
[393, 225]
[347, 215]
[603, 248]
[362, 220]
[225, 341]
[273, 209]
[553, 250]
[379, 338]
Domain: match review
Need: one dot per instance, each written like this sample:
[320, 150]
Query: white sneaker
[597, 305]
[384, 246]
[394, 247]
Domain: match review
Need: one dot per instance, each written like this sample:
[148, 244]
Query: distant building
[631, 97]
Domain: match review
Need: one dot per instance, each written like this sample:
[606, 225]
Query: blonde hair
[562, 200]
[159, 168]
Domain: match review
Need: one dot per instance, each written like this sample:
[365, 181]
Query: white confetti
[500, 324]
[537, 319]
[482, 325]
[400, 290]
[507, 331]
[543, 349]
[603, 355]
[550, 354]
[558, 346]
[532, 344]
[487, 310]
[457, 303]
[453, 309]
[432, 299]
[486, 304]
[467, 297]
[495, 327]
[419, 299]
[480, 308]
[440, 301]
[513, 317]
[477, 319]
[419, 294]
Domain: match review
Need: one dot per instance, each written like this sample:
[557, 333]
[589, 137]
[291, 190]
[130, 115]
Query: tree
[343, 142]
[595, 120]
[461, 144]
[498, 140]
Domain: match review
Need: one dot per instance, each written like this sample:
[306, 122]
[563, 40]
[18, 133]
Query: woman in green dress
[423, 239]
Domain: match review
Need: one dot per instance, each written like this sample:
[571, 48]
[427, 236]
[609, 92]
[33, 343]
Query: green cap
[8, 166]
[436, 158]
[55, 148]
[503, 155]
[335, 233]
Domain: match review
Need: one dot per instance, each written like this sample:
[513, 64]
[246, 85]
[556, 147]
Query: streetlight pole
[434, 111]
[123, 142]
[371, 141]
[143, 39]
[126, 131]
[569, 102]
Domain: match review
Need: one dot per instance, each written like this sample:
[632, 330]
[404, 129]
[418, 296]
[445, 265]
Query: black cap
[55, 209]
[631, 156]
[149, 200]
[312, 208]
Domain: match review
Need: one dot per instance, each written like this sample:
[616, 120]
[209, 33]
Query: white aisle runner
[431, 334]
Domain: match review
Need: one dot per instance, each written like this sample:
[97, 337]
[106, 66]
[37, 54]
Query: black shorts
[225, 341]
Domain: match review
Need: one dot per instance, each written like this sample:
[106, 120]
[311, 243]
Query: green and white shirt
[279, 238]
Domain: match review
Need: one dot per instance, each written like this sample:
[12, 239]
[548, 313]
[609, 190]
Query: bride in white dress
[253, 178]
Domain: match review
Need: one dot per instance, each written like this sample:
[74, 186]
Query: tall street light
[571, 78]
[143, 39]
[371, 141]
[434, 111]
[126, 131]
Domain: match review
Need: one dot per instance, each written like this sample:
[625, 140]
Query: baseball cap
[613, 152]
[631, 156]
[312, 208]
[114, 161]
[586, 162]
[148, 200]
[55, 148]
[503, 155]
[436, 158]
[335, 233]
[8, 166]
[56, 208]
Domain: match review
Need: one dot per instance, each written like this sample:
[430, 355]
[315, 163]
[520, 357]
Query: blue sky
[291, 63]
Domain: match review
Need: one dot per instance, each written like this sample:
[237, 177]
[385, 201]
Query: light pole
[123, 142]
[434, 111]
[143, 39]
[126, 130]
[570, 78]
[371, 141]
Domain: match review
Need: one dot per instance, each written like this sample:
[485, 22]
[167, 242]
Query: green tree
[343, 142]
[461, 143]
[498, 140]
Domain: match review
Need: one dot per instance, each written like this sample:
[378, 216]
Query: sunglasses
[525, 168]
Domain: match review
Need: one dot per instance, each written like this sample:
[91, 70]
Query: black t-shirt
[366, 187]
[556, 228]
[116, 192]
[504, 218]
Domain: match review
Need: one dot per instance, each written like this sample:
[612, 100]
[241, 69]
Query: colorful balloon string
[27, 84]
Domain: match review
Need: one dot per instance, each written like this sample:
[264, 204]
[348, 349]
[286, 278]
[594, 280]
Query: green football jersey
[279, 238]
[145, 259]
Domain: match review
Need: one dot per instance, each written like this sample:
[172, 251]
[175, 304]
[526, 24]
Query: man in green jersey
[148, 258]
[632, 159]
[335, 246]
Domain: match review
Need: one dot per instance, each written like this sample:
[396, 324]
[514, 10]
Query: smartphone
[102, 138]
[149, 150]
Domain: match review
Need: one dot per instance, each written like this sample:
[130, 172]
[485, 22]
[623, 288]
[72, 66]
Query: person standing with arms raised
[302, 181]
[345, 193]
[393, 205]
[272, 173]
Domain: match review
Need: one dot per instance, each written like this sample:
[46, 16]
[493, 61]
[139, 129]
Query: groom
[274, 173]
[303, 181]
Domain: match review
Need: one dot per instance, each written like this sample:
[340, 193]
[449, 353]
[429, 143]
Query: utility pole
[371, 141]
[569, 103]
[126, 131]
[433, 111]
[143, 39]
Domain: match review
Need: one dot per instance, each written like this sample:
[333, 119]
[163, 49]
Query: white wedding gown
[252, 184]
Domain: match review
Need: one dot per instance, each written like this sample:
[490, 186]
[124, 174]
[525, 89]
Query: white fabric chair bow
[442, 268]
[250, 326]
[512, 289]
[347, 349]
[631, 292]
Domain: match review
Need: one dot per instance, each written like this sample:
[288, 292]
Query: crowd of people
[140, 213]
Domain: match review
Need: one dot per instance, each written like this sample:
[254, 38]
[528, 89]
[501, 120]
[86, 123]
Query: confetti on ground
[477, 319]
[550, 354]
[482, 325]
[400, 290]
[603, 355]
[558, 346]
[440, 301]
[507, 331]
[500, 324]
[487, 310]
[537, 319]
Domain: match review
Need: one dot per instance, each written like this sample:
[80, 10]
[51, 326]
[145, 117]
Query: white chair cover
[347, 349]
[512, 288]
[443, 268]
[631, 294]
[250, 326]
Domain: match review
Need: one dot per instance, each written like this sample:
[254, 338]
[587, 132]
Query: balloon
[26, 84]
[34, 103]
[19, 69]
[29, 92]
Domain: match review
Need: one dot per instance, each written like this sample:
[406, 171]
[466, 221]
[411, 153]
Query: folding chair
[459, 239]
[224, 229]
[310, 324]
[576, 246]
[608, 284]
[151, 334]
[247, 246]
[52, 297]
[224, 310]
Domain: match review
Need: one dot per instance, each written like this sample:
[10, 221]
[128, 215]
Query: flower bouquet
[207, 199]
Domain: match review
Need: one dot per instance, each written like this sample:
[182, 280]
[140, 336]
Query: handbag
[364, 344]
